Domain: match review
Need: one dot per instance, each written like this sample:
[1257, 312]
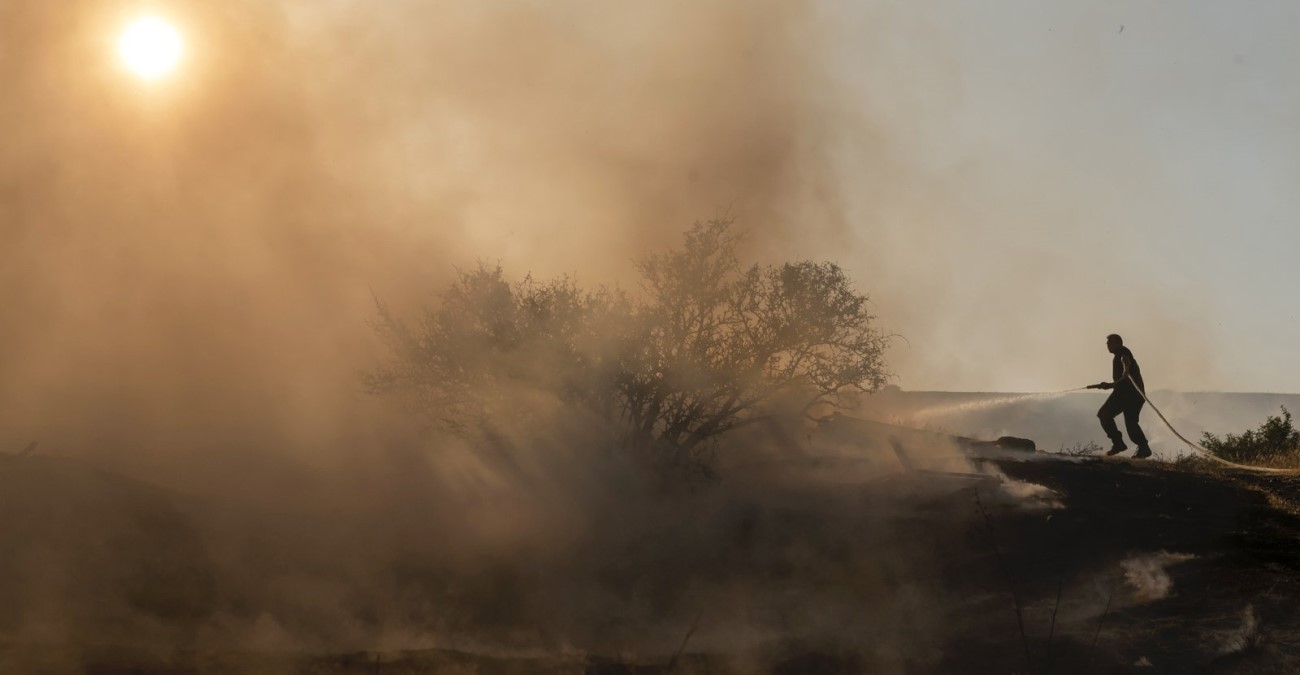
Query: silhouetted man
[1126, 398]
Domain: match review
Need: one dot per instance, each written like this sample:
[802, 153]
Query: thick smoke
[189, 267]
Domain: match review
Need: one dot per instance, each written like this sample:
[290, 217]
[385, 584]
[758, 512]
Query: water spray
[975, 406]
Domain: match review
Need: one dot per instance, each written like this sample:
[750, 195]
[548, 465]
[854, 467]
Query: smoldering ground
[557, 551]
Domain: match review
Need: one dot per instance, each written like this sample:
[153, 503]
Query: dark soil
[1118, 566]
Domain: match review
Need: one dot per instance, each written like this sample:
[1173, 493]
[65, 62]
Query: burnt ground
[1231, 608]
[1038, 564]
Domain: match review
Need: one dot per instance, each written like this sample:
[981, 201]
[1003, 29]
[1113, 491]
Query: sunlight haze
[150, 47]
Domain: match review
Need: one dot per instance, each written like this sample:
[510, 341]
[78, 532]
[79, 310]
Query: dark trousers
[1128, 404]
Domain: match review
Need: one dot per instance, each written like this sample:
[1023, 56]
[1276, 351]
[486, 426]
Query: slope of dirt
[1202, 569]
[996, 562]
[82, 553]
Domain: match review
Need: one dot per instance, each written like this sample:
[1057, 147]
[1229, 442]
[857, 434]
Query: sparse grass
[1193, 461]
[1290, 461]
[1088, 449]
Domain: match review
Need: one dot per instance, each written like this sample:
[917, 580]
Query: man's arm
[1125, 359]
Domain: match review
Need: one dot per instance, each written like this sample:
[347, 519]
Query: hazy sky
[1060, 179]
[1009, 181]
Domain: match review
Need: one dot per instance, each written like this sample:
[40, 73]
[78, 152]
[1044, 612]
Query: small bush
[1275, 442]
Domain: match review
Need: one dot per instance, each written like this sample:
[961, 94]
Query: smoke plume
[189, 267]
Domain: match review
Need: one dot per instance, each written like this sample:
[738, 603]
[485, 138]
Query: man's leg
[1109, 410]
[1135, 434]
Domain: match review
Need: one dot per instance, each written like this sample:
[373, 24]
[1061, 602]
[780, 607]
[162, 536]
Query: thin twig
[672, 664]
[1102, 620]
[1006, 572]
[1051, 633]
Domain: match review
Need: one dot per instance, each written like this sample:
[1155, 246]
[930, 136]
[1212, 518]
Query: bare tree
[721, 343]
[708, 347]
[495, 351]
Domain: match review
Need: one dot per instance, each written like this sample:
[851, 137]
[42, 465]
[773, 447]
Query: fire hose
[1196, 447]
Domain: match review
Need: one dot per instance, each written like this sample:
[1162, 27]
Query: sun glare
[150, 47]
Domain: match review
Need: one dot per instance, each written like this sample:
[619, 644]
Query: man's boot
[1117, 448]
[1142, 453]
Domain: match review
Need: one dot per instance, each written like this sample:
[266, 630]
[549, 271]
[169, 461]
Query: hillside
[833, 558]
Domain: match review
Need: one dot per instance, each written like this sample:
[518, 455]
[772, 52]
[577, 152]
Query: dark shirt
[1117, 371]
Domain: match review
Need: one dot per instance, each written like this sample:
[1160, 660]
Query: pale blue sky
[1055, 179]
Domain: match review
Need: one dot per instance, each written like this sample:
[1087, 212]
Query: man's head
[1113, 343]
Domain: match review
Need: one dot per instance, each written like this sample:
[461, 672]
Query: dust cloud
[189, 267]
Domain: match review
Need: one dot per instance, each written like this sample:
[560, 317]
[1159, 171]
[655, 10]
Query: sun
[150, 47]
